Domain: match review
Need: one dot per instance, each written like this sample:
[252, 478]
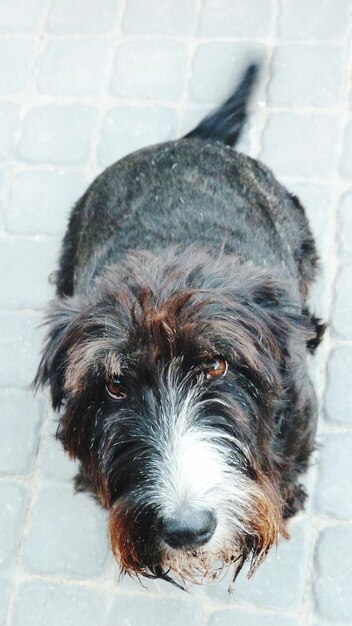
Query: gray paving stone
[40, 201]
[333, 579]
[20, 344]
[47, 604]
[16, 60]
[163, 611]
[338, 398]
[80, 16]
[170, 17]
[346, 159]
[192, 115]
[217, 67]
[56, 464]
[20, 419]
[319, 623]
[9, 121]
[128, 128]
[233, 18]
[342, 302]
[31, 264]
[74, 67]
[243, 617]
[305, 75]
[13, 502]
[300, 144]
[35, 200]
[127, 583]
[318, 201]
[20, 16]
[150, 69]
[5, 586]
[67, 535]
[316, 366]
[279, 582]
[344, 228]
[57, 134]
[319, 295]
[2, 180]
[334, 480]
[299, 20]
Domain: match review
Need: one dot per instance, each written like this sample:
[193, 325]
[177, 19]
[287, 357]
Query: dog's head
[173, 372]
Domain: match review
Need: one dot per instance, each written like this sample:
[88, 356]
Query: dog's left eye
[217, 368]
[115, 389]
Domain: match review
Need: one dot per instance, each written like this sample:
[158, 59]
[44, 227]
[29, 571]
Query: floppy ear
[287, 319]
[61, 320]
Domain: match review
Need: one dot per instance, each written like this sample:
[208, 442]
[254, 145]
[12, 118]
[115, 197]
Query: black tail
[226, 123]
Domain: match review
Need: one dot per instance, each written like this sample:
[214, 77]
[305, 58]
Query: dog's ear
[61, 320]
[287, 320]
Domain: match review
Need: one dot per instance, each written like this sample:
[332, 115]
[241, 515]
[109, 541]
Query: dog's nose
[191, 528]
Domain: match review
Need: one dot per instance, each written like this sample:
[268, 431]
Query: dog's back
[198, 191]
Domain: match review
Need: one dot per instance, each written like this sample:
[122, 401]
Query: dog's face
[172, 375]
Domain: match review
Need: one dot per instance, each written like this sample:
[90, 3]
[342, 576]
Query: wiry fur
[138, 301]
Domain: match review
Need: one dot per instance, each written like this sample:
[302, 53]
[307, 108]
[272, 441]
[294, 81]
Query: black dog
[177, 348]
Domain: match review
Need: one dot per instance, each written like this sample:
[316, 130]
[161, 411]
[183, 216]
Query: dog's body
[178, 345]
[189, 192]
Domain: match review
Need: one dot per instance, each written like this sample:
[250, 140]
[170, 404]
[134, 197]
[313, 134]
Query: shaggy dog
[177, 348]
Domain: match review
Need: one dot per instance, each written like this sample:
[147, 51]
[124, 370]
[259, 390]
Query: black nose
[189, 529]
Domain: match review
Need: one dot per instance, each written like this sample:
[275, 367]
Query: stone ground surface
[83, 82]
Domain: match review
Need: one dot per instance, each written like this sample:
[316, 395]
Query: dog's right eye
[115, 389]
[217, 368]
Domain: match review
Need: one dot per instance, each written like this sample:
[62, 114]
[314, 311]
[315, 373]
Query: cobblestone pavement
[83, 82]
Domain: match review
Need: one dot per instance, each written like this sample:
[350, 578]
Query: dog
[177, 351]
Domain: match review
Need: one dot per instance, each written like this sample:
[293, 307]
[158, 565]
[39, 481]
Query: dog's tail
[226, 123]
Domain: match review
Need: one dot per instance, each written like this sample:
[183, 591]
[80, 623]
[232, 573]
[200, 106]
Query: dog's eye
[115, 389]
[217, 368]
